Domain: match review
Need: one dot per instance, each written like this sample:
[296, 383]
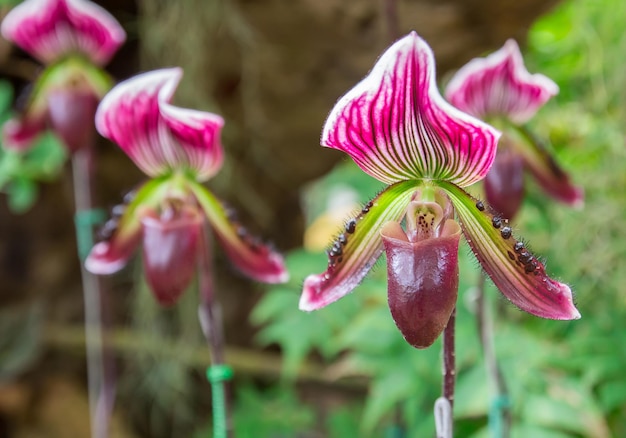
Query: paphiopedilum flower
[73, 39]
[178, 149]
[397, 128]
[500, 89]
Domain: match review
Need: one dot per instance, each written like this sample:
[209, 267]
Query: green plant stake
[217, 375]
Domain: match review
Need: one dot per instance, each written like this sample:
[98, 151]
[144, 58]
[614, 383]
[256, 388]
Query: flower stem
[100, 373]
[500, 413]
[210, 316]
[390, 11]
[445, 403]
[449, 371]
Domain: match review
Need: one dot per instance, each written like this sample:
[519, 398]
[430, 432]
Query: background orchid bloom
[499, 89]
[397, 128]
[74, 39]
[178, 149]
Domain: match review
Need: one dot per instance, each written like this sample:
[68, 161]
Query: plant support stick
[101, 385]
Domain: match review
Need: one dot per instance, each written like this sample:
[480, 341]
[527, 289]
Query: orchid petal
[552, 178]
[504, 183]
[356, 250]
[170, 250]
[20, 133]
[423, 281]
[515, 272]
[63, 98]
[157, 136]
[52, 29]
[396, 126]
[249, 255]
[500, 86]
[113, 253]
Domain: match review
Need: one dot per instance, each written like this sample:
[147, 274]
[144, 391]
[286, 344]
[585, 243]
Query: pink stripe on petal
[500, 86]
[51, 29]
[396, 126]
[357, 248]
[159, 137]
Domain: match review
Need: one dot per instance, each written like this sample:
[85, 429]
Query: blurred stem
[100, 376]
[71, 339]
[210, 316]
[390, 11]
[499, 413]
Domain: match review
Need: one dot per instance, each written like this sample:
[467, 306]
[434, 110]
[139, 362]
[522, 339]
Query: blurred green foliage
[21, 171]
[566, 378]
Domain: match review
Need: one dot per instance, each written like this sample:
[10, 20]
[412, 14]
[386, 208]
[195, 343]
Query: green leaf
[22, 194]
[274, 412]
[45, 159]
[473, 393]
[385, 393]
[6, 99]
[20, 343]
[343, 421]
[612, 394]
[567, 406]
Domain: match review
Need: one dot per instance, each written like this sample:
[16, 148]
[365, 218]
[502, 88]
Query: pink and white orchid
[73, 39]
[396, 127]
[179, 149]
[499, 89]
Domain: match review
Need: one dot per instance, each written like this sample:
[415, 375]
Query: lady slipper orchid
[178, 149]
[397, 128]
[499, 89]
[73, 39]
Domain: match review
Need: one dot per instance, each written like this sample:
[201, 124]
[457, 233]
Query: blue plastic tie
[496, 414]
[84, 221]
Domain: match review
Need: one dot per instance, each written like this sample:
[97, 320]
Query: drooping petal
[396, 126]
[504, 183]
[123, 232]
[500, 86]
[52, 29]
[170, 250]
[423, 281]
[515, 272]
[552, 178]
[356, 249]
[20, 133]
[254, 259]
[157, 136]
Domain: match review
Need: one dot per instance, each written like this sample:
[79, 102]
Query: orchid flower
[178, 149]
[499, 89]
[73, 39]
[397, 128]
